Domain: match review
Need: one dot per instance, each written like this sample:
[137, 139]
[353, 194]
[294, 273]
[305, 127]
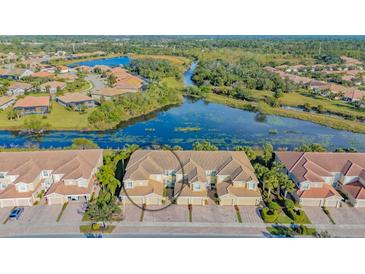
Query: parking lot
[348, 215]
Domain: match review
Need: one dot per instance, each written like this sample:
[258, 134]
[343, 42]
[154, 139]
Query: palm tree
[286, 184]
[270, 182]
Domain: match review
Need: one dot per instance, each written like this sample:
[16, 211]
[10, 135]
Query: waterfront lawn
[321, 119]
[181, 62]
[60, 118]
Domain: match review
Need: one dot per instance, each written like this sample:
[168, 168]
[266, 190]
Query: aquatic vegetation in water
[187, 129]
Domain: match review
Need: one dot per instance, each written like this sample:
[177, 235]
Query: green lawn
[60, 119]
[296, 99]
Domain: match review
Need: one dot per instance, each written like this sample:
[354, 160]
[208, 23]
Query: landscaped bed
[95, 228]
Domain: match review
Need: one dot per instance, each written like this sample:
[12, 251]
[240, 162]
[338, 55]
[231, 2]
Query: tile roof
[74, 97]
[32, 101]
[73, 164]
[110, 92]
[20, 85]
[53, 84]
[319, 192]
[356, 189]
[314, 165]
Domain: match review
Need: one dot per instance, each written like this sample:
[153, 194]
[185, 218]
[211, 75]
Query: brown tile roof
[319, 192]
[74, 97]
[152, 187]
[73, 164]
[192, 162]
[42, 74]
[5, 99]
[20, 85]
[32, 101]
[228, 188]
[312, 166]
[355, 189]
[63, 189]
[110, 92]
[53, 84]
[10, 192]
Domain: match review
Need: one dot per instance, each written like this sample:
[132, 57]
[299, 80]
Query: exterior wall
[16, 92]
[192, 200]
[152, 199]
[231, 200]
[320, 202]
[16, 202]
[33, 110]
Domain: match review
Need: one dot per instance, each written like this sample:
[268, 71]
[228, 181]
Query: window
[22, 188]
[45, 173]
[129, 185]
[251, 185]
[305, 186]
[196, 187]
[2, 175]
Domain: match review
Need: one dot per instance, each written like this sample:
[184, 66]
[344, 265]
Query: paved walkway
[348, 215]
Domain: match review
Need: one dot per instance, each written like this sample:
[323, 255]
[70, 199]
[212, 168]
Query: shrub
[95, 226]
[289, 204]
[274, 206]
[269, 215]
[297, 215]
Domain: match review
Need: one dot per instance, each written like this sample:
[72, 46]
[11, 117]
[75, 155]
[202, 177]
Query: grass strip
[327, 212]
[61, 212]
[238, 214]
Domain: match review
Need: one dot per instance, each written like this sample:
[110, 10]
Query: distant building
[15, 74]
[18, 88]
[33, 105]
[52, 86]
[76, 100]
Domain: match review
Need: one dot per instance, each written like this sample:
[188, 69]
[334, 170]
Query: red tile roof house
[319, 174]
[18, 88]
[64, 175]
[76, 100]
[33, 105]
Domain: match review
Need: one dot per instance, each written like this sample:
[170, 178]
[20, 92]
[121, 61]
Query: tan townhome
[320, 175]
[60, 176]
[190, 177]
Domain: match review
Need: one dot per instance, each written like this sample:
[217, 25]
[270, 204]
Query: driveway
[348, 215]
[214, 214]
[172, 213]
[70, 215]
[132, 213]
[250, 215]
[4, 213]
[316, 215]
[97, 82]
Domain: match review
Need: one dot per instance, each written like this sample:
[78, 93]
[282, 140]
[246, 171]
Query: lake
[111, 62]
[197, 120]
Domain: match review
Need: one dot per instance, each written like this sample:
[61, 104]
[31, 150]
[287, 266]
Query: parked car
[15, 213]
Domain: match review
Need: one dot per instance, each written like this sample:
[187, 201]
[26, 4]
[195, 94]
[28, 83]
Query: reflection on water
[220, 124]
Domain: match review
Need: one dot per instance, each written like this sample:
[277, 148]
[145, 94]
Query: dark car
[15, 213]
